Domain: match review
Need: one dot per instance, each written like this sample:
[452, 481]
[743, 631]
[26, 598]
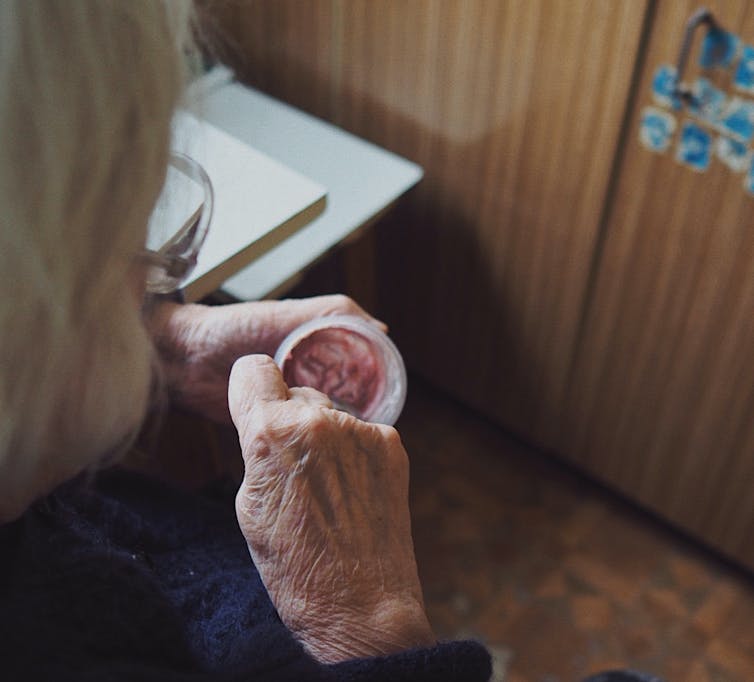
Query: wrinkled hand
[197, 344]
[324, 509]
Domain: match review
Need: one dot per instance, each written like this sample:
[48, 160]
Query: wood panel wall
[514, 109]
[662, 399]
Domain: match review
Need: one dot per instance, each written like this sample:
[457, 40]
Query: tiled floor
[559, 577]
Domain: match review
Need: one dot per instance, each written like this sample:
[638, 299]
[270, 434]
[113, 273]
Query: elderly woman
[309, 574]
[113, 576]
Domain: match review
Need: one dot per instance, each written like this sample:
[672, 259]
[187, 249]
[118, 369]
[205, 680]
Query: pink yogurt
[351, 361]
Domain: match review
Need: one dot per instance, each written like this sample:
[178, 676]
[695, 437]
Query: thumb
[253, 378]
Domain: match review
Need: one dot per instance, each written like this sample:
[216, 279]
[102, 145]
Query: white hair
[87, 93]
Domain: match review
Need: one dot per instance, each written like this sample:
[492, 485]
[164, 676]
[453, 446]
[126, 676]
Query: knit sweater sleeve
[460, 661]
[464, 661]
[133, 582]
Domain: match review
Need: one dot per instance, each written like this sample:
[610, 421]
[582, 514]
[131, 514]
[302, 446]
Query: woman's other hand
[324, 509]
[198, 344]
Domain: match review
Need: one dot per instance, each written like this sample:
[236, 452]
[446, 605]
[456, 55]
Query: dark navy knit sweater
[126, 579]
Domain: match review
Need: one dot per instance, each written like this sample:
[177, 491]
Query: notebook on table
[258, 202]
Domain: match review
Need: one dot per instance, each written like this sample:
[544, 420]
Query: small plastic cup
[350, 360]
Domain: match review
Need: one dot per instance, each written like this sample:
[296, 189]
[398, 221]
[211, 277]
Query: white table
[361, 179]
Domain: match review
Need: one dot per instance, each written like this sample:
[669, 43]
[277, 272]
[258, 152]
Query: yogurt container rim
[394, 397]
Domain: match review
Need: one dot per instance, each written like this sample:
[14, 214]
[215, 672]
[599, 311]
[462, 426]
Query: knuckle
[242, 499]
[258, 447]
[256, 438]
[309, 393]
[318, 423]
[394, 445]
[343, 303]
[390, 435]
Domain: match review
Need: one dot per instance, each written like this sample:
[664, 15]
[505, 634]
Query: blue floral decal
[694, 146]
[733, 154]
[656, 129]
[720, 122]
[664, 87]
[719, 48]
[744, 76]
[707, 101]
[737, 120]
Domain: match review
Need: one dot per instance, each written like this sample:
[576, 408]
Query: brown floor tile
[553, 585]
[548, 644]
[638, 642]
[591, 612]
[515, 676]
[598, 664]
[603, 578]
[738, 626]
[698, 672]
[732, 659]
[716, 607]
[688, 574]
[673, 667]
[667, 604]
[569, 578]
[576, 527]
[492, 620]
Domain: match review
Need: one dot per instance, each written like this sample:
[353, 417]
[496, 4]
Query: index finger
[254, 378]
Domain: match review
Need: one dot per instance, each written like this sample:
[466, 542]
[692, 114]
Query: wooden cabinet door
[514, 109]
[662, 395]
